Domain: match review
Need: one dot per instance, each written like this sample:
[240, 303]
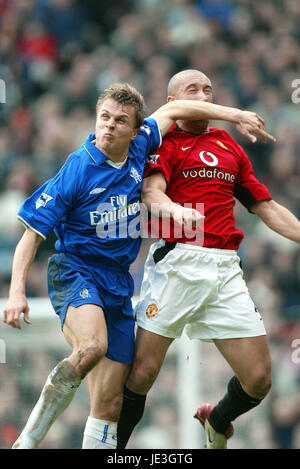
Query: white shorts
[198, 289]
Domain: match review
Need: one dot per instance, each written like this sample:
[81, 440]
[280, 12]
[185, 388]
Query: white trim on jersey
[26, 224]
[160, 136]
[89, 154]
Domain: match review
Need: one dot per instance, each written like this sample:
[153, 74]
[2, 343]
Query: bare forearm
[194, 110]
[247, 123]
[160, 205]
[286, 224]
[279, 219]
[189, 109]
[24, 255]
[157, 202]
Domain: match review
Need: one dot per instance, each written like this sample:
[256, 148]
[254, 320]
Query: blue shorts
[73, 282]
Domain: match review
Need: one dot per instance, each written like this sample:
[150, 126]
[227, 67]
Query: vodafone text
[208, 173]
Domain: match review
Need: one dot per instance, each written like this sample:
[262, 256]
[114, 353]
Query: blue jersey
[92, 206]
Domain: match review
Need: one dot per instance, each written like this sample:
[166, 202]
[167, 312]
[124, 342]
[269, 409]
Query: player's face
[196, 87]
[115, 128]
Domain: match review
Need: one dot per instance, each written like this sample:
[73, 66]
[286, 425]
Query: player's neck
[116, 156]
[193, 127]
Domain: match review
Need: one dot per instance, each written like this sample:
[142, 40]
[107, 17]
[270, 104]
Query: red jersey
[211, 169]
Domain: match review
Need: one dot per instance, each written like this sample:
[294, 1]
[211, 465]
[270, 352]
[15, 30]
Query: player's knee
[142, 375]
[88, 354]
[260, 384]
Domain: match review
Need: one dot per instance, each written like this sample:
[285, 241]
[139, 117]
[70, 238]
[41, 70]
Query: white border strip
[160, 136]
[26, 224]
[89, 154]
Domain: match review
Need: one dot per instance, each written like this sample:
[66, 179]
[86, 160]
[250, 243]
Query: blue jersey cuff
[27, 225]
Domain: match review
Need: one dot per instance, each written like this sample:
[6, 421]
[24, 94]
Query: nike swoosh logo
[185, 148]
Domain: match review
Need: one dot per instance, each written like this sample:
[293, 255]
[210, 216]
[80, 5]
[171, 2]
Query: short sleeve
[48, 205]
[161, 160]
[248, 189]
[151, 131]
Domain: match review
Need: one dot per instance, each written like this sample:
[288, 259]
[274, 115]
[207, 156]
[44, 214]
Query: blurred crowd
[56, 56]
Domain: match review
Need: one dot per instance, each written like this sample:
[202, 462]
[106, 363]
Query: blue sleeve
[151, 130]
[48, 205]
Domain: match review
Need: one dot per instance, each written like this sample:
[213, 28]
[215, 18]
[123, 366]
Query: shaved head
[195, 85]
[180, 79]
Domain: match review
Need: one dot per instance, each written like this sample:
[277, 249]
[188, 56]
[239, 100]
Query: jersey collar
[95, 154]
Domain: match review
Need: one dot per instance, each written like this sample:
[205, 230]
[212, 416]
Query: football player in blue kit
[93, 205]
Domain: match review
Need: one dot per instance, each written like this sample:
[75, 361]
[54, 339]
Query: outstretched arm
[160, 205]
[278, 218]
[247, 123]
[23, 258]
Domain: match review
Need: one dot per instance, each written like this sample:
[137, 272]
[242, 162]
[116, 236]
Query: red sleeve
[161, 160]
[248, 190]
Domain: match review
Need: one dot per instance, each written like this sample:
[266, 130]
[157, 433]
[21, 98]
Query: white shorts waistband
[194, 247]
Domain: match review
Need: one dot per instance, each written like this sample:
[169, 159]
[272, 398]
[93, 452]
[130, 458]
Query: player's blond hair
[127, 95]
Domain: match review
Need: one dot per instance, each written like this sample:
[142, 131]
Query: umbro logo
[98, 190]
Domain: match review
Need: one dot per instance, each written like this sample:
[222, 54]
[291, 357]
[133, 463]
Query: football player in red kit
[196, 283]
[209, 169]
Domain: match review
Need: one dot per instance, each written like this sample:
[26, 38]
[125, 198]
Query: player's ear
[134, 133]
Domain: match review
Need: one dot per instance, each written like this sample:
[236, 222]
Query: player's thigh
[150, 351]
[250, 359]
[85, 329]
[106, 381]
